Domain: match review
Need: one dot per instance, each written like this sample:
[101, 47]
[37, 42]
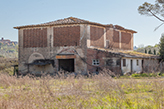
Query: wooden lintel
[65, 56]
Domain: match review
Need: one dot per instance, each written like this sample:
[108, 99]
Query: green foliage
[150, 52]
[149, 49]
[152, 9]
[1, 44]
[1, 56]
[147, 75]
[154, 52]
[6, 65]
[140, 75]
[161, 45]
[156, 45]
[149, 46]
[9, 50]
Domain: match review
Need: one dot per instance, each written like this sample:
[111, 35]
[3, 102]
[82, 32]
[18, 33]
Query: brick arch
[35, 56]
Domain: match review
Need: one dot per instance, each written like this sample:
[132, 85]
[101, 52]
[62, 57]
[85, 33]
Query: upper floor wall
[72, 35]
[35, 37]
[110, 38]
[66, 36]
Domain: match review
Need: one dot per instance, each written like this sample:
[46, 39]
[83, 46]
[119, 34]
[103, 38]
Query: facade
[73, 45]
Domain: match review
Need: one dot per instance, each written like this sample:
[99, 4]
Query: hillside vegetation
[6, 65]
[149, 49]
[9, 50]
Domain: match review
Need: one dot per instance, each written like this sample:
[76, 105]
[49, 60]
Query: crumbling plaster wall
[25, 53]
[50, 51]
[135, 67]
[103, 58]
[151, 65]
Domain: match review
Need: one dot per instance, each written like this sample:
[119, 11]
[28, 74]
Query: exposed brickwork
[125, 41]
[97, 36]
[116, 39]
[100, 55]
[113, 37]
[66, 36]
[35, 38]
[109, 34]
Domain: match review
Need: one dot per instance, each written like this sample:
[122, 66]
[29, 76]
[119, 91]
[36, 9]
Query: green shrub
[135, 75]
[144, 75]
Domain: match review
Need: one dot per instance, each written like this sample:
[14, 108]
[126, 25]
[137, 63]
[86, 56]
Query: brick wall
[66, 36]
[97, 36]
[113, 37]
[35, 38]
[125, 41]
[116, 39]
[109, 34]
[100, 55]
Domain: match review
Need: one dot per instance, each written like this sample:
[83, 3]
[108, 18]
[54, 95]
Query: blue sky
[118, 12]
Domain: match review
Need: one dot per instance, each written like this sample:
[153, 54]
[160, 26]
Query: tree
[149, 52]
[154, 52]
[156, 10]
[156, 45]
[145, 51]
[161, 45]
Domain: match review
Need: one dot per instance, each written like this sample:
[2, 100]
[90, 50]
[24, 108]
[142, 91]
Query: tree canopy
[156, 10]
[161, 44]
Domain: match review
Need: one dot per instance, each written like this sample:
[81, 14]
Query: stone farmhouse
[77, 45]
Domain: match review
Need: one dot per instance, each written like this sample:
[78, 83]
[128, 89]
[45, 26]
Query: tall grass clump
[95, 92]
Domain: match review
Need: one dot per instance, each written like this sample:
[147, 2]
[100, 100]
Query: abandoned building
[77, 45]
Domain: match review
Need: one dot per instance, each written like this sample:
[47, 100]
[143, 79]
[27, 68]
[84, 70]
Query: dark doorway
[66, 65]
[142, 65]
[131, 63]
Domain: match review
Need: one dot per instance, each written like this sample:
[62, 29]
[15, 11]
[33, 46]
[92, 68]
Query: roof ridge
[74, 20]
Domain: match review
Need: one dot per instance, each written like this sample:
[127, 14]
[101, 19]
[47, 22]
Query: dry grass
[6, 65]
[96, 92]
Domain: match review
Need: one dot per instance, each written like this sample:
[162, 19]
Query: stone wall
[54, 45]
[76, 38]
[106, 60]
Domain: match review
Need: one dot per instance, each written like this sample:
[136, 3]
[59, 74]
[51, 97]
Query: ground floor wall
[151, 65]
[99, 60]
[82, 60]
[131, 65]
[137, 65]
[57, 54]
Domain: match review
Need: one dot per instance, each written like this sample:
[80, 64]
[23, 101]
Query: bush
[147, 75]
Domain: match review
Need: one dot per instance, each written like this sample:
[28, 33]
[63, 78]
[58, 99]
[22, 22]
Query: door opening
[131, 65]
[142, 65]
[66, 65]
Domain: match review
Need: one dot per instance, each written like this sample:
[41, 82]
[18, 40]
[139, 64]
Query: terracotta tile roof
[130, 54]
[73, 20]
[69, 20]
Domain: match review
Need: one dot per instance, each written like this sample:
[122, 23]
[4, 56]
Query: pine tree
[154, 52]
[150, 52]
[161, 45]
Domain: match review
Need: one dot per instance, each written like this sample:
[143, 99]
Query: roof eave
[91, 23]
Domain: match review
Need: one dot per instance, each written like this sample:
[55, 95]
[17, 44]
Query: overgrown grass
[6, 65]
[98, 92]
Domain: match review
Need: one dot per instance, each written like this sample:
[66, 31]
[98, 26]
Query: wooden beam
[65, 56]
